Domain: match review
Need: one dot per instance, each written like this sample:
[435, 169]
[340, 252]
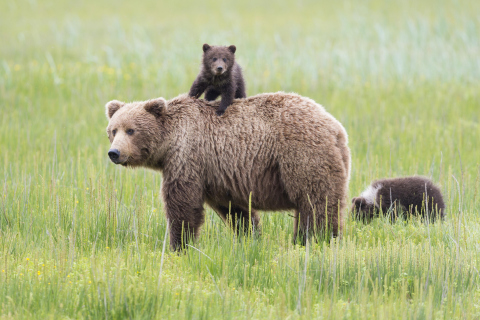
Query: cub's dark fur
[407, 195]
[220, 76]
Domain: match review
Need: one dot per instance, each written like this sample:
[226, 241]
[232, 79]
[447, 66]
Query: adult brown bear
[282, 150]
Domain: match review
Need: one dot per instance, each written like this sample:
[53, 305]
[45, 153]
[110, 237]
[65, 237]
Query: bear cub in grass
[220, 76]
[407, 196]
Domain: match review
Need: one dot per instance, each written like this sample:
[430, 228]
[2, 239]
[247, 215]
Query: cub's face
[362, 210]
[134, 131]
[217, 60]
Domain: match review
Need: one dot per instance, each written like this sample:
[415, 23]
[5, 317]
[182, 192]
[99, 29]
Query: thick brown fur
[220, 76]
[283, 150]
[404, 196]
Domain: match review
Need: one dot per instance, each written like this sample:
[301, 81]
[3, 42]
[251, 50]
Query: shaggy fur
[220, 76]
[407, 195]
[282, 150]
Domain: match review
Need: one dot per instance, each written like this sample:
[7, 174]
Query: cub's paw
[194, 96]
[220, 112]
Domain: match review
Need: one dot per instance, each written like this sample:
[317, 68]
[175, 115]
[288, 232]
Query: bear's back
[263, 127]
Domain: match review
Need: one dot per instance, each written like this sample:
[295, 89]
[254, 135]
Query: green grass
[82, 238]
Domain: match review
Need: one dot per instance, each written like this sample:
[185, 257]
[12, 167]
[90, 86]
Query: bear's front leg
[184, 211]
[227, 99]
[198, 87]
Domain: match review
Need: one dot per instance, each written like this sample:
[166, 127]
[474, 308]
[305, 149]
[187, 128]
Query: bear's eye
[130, 132]
[114, 132]
[214, 59]
[224, 60]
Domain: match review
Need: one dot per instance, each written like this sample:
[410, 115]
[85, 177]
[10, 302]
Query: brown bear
[413, 195]
[277, 151]
[220, 76]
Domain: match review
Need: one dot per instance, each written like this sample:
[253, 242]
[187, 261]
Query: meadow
[81, 238]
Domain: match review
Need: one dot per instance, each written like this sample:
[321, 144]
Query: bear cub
[220, 76]
[408, 195]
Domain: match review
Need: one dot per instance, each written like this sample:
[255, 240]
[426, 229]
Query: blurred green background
[81, 238]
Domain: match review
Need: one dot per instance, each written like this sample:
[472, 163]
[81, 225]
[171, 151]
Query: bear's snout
[114, 155]
[219, 68]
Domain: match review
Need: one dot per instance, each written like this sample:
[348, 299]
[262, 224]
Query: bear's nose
[220, 68]
[114, 154]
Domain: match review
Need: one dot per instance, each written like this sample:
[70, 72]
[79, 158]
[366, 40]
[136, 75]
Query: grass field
[82, 238]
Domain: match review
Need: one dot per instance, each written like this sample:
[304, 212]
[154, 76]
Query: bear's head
[362, 210]
[136, 132]
[217, 60]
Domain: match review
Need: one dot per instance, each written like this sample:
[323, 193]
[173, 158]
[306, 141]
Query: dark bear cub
[220, 76]
[407, 196]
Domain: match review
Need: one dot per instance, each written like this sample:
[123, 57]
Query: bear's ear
[359, 202]
[112, 107]
[156, 106]
[232, 49]
[206, 47]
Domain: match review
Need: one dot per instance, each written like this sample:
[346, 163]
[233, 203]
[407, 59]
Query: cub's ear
[360, 203]
[206, 47]
[112, 107]
[156, 106]
[232, 49]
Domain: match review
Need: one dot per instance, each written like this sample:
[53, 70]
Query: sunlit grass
[81, 238]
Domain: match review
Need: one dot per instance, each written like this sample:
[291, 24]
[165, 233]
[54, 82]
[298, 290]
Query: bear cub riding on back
[220, 76]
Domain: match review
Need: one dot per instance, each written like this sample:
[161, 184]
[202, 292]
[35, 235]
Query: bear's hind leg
[239, 219]
[303, 226]
[310, 219]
